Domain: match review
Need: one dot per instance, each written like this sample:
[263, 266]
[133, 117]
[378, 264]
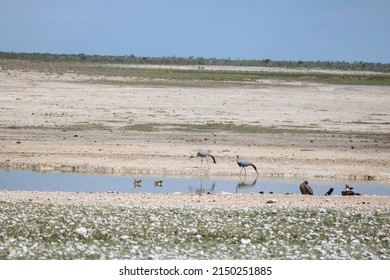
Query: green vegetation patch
[241, 128]
[109, 67]
[198, 61]
[214, 127]
[84, 126]
[149, 127]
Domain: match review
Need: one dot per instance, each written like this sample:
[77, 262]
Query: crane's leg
[201, 162]
[240, 171]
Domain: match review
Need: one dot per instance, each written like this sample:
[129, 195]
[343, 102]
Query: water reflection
[71, 182]
[245, 184]
[203, 186]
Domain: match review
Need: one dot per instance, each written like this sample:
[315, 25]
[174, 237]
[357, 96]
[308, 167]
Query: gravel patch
[201, 201]
[37, 225]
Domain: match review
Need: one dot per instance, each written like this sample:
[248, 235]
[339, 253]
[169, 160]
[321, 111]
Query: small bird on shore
[244, 163]
[305, 188]
[348, 191]
[329, 192]
[348, 187]
[158, 183]
[137, 183]
[203, 154]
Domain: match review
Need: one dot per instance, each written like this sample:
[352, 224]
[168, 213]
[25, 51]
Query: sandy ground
[59, 122]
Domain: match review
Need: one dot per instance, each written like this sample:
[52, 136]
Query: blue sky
[308, 30]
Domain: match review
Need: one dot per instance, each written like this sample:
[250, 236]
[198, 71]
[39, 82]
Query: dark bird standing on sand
[244, 163]
[203, 154]
[305, 188]
[329, 192]
[348, 191]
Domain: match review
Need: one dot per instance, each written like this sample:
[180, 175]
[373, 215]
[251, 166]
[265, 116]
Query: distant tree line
[173, 60]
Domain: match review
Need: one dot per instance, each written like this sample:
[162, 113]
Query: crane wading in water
[203, 154]
[244, 163]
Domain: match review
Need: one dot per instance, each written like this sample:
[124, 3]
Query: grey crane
[203, 154]
[244, 163]
[305, 188]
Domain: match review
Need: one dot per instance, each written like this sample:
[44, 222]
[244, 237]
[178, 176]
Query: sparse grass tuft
[142, 127]
[214, 127]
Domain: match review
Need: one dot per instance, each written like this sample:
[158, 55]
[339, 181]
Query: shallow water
[73, 182]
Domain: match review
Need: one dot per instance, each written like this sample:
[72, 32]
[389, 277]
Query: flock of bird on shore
[243, 164]
[306, 189]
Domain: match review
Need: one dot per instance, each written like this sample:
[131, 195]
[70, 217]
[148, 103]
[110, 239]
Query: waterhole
[75, 182]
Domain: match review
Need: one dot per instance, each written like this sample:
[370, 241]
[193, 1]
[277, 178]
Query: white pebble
[81, 231]
[245, 241]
